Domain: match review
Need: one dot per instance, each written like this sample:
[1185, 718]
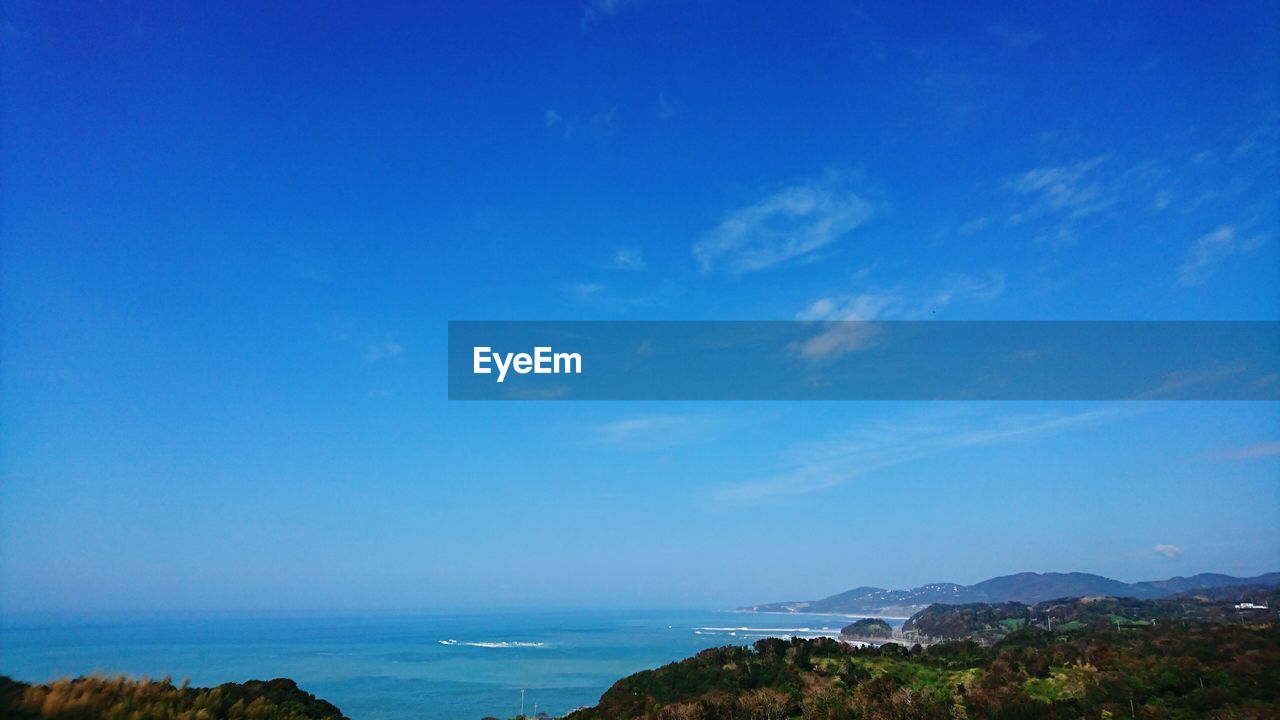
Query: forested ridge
[989, 622]
[1175, 671]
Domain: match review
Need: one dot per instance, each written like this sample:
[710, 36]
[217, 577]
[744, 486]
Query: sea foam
[502, 644]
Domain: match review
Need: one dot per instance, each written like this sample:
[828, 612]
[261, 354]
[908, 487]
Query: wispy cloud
[1204, 379]
[1166, 550]
[897, 303]
[789, 225]
[956, 96]
[666, 108]
[587, 289]
[1061, 203]
[627, 259]
[819, 466]
[357, 341]
[1205, 254]
[604, 297]
[602, 125]
[1072, 190]
[1260, 450]
[1261, 140]
[599, 126]
[650, 432]
[863, 306]
[974, 226]
[384, 350]
[596, 10]
[1057, 203]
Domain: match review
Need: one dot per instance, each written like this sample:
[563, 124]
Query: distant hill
[988, 623]
[867, 628]
[1027, 587]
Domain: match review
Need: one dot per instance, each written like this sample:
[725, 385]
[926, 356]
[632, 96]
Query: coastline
[902, 618]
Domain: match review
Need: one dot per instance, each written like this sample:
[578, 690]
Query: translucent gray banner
[583, 360]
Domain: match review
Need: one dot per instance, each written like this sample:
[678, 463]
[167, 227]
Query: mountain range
[1027, 587]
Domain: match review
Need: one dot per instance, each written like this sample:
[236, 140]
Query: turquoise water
[427, 667]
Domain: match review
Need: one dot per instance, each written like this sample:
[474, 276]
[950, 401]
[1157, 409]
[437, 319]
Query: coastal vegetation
[122, 698]
[1214, 654]
[1104, 658]
[989, 622]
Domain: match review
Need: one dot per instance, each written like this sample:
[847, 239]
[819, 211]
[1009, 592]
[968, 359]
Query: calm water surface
[446, 667]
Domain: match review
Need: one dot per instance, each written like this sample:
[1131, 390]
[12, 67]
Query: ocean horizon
[446, 666]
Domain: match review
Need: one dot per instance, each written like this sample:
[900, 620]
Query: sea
[400, 667]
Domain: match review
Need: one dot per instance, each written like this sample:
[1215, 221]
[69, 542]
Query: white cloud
[1169, 551]
[886, 443]
[1073, 190]
[587, 289]
[1261, 450]
[900, 303]
[600, 127]
[595, 10]
[1058, 204]
[956, 287]
[609, 298]
[864, 306]
[837, 340]
[788, 225]
[384, 350]
[1260, 141]
[1190, 382]
[1058, 236]
[627, 259]
[972, 227]
[1204, 255]
[650, 432]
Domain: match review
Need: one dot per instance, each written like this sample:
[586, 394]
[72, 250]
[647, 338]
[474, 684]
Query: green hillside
[1175, 672]
[987, 623]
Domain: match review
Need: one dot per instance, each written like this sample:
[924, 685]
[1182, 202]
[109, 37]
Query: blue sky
[233, 236]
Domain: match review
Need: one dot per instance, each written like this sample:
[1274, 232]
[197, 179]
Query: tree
[767, 704]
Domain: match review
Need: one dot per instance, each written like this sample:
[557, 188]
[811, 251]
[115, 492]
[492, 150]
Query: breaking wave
[754, 632]
[502, 644]
[768, 630]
